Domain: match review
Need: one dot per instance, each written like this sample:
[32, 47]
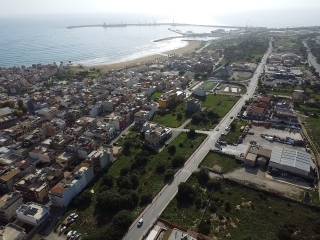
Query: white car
[69, 234]
[140, 222]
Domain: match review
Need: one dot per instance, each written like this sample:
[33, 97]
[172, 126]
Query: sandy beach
[189, 48]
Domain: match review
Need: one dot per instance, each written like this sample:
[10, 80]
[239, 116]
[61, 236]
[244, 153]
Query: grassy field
[150, 181]
[171, 119]
[219, 104]
[216, 161]
[250, 214]
[208, 85]
[235, 133]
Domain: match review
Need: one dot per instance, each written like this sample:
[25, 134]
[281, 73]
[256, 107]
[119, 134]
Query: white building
[72, 184]
[32, 213]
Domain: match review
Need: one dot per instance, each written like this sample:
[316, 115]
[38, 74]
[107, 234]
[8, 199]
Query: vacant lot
[220, 163]
[138, 174]
[242, 213]
[174, 118]
[220, 105]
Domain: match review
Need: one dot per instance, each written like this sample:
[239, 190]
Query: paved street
[160, 202]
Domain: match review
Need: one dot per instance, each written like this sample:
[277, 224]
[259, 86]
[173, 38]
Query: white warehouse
[292, 161]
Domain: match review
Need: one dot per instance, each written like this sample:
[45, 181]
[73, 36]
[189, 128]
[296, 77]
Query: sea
[32, 40]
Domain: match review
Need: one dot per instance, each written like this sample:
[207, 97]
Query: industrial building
[291, 161]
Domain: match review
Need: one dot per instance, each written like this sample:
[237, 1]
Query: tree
[124, 171]
[169, 175]
[177, 162]
[214, 185]
[227, 207]
[145, 199]
[233, 127]
[212, 115]
[191, 134]
[172, 150]
[139, 162]
[108, 201]
[160, 168]
[83, 200]
[204, 226]
[186, 194]
[122, 220]
[203, 176]
[126, 148]
[107, 181]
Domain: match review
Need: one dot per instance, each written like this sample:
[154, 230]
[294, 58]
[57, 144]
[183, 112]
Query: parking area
[258, 132]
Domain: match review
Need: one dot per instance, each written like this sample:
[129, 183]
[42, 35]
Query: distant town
[217, 143]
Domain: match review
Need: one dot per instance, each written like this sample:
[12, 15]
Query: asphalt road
[160, 202]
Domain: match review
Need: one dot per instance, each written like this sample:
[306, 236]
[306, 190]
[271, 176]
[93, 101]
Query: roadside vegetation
[236, 130]
[116, 199]
[220, 163]
[226, 210]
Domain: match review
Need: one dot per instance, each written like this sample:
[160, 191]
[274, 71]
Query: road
[161, 201]
[312, 60]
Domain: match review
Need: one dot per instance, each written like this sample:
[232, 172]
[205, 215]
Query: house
[35, 186]
[256, 113]
[9, 203]
[32, 213]
[71, 185]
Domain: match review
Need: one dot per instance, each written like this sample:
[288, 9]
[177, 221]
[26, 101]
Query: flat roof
[292, 158]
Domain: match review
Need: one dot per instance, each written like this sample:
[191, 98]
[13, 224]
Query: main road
[161, 201]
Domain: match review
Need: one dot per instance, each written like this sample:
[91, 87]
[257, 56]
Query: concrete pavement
[161, 201]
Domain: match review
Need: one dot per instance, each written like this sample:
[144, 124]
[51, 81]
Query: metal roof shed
[290, 160]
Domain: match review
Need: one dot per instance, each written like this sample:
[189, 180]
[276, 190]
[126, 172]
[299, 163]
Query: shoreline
[149, 59]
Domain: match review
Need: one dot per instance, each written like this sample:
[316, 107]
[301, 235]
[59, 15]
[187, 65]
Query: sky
[195, 11]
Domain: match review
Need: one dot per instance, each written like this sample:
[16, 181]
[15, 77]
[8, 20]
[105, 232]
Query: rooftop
[292, 158]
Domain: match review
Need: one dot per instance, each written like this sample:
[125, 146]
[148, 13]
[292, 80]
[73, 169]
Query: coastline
[189, 48]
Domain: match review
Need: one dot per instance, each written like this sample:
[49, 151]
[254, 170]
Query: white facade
[63, 193]
[32, 213]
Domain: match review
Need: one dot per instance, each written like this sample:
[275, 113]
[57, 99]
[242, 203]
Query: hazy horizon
[272, 13]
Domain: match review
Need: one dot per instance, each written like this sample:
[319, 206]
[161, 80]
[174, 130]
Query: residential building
[32, 213]
[9, 203]
[71, 185]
